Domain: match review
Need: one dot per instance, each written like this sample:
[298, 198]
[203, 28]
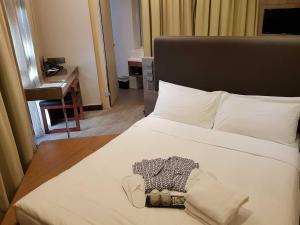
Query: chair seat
[54, 103]
[57, 102]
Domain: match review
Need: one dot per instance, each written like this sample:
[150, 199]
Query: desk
[54, 87]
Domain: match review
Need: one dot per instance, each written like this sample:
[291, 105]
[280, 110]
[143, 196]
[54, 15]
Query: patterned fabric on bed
[171, 173]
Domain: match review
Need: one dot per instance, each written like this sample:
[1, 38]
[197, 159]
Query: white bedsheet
[91, 192]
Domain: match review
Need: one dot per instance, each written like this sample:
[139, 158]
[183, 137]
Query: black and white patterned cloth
[171, 173]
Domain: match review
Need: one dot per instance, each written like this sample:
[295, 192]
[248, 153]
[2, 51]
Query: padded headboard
[252, 66]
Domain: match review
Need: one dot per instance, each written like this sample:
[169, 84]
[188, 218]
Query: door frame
[96, 24]
[109, 47]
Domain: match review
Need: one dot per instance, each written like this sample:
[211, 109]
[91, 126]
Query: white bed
[91, 192]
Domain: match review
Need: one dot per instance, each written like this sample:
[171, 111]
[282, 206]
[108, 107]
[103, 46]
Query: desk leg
[66, 117]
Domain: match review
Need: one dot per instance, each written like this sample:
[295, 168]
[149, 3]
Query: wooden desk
[51, 159]
[54, 87]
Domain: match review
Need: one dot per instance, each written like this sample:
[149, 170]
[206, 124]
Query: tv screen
[282, 21]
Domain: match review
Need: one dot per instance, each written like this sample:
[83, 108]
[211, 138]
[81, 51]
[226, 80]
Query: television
[281, 21]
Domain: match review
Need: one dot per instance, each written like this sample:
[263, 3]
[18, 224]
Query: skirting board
[92, 107]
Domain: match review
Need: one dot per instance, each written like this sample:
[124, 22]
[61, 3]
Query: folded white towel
[212, 202]
[198, 215]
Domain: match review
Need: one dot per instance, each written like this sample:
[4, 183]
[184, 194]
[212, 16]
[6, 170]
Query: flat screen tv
[282, 21]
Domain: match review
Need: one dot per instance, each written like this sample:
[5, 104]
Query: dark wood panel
[92, 107]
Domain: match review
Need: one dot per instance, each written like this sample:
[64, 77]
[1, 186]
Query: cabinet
[150, 89]
[135, 74]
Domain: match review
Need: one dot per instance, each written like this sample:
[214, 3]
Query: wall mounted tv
[282, 21]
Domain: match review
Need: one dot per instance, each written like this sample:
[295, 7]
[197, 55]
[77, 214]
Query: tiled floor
[126, 111]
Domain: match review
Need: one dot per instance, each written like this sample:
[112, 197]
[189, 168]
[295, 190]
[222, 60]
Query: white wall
[65, 30]
[125, 31]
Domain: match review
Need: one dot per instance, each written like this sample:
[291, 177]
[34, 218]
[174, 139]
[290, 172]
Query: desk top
[53, 87]
[61, 76]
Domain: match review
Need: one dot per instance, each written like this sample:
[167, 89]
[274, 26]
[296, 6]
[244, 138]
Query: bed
[91, 192]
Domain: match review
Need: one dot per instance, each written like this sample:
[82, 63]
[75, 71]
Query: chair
[72, 101]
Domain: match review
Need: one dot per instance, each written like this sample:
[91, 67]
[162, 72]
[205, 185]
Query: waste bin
[123, 82]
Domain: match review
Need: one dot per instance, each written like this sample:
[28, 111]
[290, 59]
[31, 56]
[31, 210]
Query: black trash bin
[123, 82]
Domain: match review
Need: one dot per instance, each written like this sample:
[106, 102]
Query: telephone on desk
[51, 67]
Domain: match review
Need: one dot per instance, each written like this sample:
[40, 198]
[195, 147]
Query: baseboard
[92, 107]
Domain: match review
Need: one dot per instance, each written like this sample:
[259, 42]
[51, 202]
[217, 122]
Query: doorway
[126, 33]
[127, 37]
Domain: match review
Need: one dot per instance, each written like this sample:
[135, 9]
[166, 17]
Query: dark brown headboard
[252, 66]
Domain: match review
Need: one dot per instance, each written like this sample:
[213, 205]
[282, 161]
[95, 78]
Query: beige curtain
[197, 17]
[226, 17]
[16, 135]
[4, 203]
[166, 18]
[33, 23]
[11, 172]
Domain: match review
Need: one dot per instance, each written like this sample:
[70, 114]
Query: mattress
[91, 192]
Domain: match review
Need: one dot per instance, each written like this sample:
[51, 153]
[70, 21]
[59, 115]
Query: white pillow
[269, 98]
[186, 105]
[261, 118]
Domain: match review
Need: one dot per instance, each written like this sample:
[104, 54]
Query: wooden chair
[72, 101]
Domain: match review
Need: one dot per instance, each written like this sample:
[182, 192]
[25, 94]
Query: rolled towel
[212, 202]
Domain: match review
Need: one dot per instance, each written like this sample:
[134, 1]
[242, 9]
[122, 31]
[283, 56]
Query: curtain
[11, 171]
[197, 17]
[226, 17]
[4, 203]
[17, 141]
[25, 54]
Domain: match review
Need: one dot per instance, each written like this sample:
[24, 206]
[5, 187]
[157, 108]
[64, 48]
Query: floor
[126, 111]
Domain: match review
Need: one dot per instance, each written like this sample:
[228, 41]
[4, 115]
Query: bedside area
[150, 90]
